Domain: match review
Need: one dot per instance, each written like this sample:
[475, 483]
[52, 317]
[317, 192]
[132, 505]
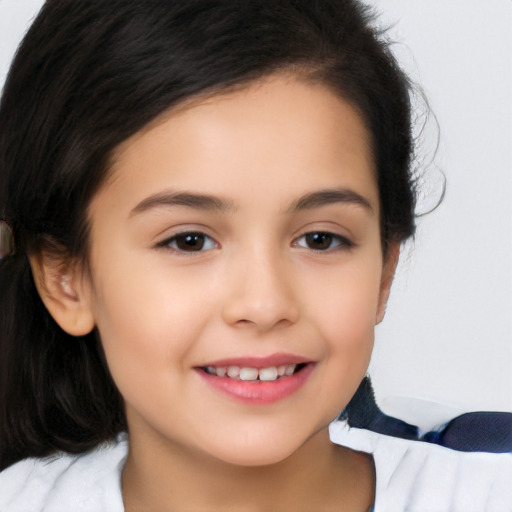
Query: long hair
[87, 76]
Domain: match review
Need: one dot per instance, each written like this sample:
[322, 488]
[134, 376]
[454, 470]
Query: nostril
[243, 321]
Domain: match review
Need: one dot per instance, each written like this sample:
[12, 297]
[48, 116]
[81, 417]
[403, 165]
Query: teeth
[290, 369]
[233, 372]
[250, 374]
[268, 373]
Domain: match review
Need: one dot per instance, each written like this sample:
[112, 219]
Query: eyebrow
[203, 202]
[209, 203]
[329, 196]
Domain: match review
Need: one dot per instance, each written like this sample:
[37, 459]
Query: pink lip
[260, 361]
[257, 392]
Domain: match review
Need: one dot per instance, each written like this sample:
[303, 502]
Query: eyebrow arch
[203, 202]
[327, 197]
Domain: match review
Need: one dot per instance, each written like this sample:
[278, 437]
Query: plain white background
[447, 337]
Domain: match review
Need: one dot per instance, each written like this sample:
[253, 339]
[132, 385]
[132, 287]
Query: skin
[257, 287]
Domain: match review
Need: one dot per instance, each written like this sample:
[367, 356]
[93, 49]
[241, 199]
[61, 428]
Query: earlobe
[388, 273]
[64, 292]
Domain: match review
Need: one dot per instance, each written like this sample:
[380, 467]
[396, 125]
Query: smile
[257, 380]
[246, 373]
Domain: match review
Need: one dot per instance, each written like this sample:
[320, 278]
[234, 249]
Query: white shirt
[412, 476]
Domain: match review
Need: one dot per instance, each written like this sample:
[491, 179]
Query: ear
[388, 273]
[65, 291]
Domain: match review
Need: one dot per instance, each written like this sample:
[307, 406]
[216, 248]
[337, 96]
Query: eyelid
[343, 242]
[166, 242]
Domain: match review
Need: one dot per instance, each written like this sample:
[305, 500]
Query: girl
[204, 203]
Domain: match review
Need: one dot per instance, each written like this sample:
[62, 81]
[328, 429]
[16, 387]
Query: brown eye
[323, 241]
[319, 241]
[190, 242]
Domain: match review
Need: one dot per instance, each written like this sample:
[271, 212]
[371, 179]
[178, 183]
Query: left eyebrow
[203, 202]
[329, 196]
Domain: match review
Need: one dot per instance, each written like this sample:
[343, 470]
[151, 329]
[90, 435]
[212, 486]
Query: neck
[318, 476]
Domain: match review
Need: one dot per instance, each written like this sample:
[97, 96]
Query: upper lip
[259, 361]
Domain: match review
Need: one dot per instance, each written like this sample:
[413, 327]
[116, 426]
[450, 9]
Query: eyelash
[334, 242]
[173, 242]
[340, 242]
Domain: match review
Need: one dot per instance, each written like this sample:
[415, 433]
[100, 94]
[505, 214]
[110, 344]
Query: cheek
[351, 341]
[146, 321]
[349, 328]
[346, 304]
[345, 312]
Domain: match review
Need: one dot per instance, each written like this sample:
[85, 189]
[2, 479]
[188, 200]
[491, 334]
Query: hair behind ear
[390, 262]
[42, 410]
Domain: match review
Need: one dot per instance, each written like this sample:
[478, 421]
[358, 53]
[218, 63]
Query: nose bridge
[261, 291]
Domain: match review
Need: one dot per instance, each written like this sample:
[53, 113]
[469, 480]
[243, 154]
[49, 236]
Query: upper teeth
[248, 373]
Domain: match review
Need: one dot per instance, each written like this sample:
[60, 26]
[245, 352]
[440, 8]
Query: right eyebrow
[196, 201]
[325, 197]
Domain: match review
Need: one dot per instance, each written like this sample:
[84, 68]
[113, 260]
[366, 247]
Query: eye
[322, 241]
[189, 242]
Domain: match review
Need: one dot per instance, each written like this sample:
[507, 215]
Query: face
[237, 270]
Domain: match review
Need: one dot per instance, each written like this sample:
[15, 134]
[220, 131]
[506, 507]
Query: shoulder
[418, 476]
[84, 483]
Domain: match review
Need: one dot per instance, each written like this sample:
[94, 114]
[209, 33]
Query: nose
[261, 294]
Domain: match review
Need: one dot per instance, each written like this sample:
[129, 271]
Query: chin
[257, 457]
[260, 450]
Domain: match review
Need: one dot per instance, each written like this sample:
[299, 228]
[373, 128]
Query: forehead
[280, 133]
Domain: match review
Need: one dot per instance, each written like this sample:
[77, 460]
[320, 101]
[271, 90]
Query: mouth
[257, 380]
[251, 374]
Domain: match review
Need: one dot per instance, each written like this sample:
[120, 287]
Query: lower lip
[259, 392]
